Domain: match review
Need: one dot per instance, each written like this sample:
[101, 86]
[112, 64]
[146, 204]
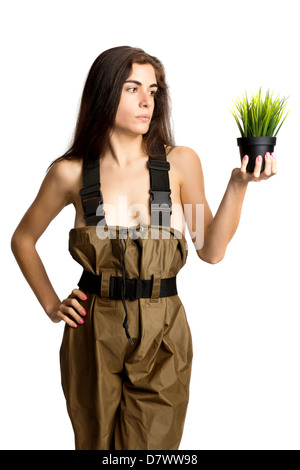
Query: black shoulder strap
[160, 200]
[91, 196]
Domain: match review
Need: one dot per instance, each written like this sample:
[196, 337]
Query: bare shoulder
[66, 170]
[55, 192]
[184, 160]
[66, 175]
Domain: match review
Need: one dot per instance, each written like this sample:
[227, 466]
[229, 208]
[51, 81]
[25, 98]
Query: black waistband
[134, 288]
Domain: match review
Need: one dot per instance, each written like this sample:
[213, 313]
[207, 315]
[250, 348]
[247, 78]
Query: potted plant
[258, 120]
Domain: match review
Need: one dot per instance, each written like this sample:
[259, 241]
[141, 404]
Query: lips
[143, 118]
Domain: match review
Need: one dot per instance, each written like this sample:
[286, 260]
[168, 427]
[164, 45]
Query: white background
[244, 311]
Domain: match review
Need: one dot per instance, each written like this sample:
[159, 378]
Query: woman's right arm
[54, 194]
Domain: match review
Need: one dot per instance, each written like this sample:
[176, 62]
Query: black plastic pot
[254, 146]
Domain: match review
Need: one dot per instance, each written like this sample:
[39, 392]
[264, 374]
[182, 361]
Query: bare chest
[126, 196]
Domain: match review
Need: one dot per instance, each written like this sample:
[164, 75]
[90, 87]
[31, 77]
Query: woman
[127, 391]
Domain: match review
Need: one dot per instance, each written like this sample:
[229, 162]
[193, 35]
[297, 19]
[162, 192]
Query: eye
[153, 92]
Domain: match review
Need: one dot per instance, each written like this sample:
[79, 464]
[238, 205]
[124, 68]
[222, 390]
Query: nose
[146, 98]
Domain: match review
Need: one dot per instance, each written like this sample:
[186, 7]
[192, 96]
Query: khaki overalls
[126, 380]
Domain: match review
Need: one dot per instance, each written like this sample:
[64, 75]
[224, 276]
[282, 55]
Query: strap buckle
[90, 207]
[91, 198]
[157, 198]
[92, 190]
[155, 164]
[135, 289]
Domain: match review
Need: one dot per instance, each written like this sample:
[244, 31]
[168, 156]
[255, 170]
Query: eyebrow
[139, 83]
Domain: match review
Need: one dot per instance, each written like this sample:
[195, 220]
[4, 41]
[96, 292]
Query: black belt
[134, 288]
[121, 287]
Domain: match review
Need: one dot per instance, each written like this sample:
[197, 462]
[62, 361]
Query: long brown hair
[100, 99]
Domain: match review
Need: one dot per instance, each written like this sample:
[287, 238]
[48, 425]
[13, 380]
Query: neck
[122, 150]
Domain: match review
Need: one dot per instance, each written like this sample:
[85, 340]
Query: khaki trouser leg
[155, 393]
[123, 397]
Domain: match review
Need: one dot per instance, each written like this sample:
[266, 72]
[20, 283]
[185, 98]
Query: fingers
[67, 319]
[78, 293]
[257, 167]
[244, 164]
[70, 309]
[241, 175]
[270, 166]
[274, 163]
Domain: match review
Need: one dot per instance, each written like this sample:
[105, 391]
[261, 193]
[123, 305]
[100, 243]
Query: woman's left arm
[219, 230]
[226, 220]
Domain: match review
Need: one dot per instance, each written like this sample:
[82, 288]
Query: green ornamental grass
[259, 117]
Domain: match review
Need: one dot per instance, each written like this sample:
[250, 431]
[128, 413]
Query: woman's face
[137, 99]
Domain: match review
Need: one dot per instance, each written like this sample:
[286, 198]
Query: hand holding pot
[240, 175]
[259, 121]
